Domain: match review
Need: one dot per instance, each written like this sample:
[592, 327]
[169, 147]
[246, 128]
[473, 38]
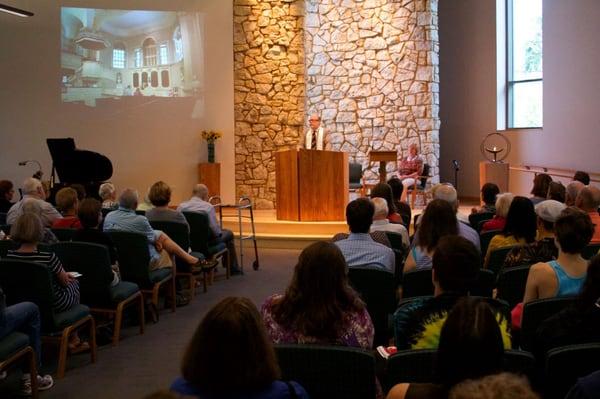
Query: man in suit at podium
[316, 138]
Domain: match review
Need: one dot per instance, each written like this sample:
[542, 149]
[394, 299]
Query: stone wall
[269, 90]
[373, 75]
[368, 67]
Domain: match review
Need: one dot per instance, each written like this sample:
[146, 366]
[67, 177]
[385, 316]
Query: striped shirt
[64, 296]
[360, 250]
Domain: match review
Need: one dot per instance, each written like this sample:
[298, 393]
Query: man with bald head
[33, 190]
[588, 201]
[316, 138]
[572, 192]
[199, 203]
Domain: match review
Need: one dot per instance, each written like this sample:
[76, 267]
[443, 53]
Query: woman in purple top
[319, 305]
[230, 357]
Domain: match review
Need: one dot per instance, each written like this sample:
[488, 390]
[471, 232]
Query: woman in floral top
[319, 305]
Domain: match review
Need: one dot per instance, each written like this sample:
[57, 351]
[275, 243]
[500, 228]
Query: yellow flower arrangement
[211, 135]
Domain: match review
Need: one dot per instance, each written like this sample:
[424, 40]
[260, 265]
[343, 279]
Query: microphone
[455, 163]
[39, 173]
[22, 163]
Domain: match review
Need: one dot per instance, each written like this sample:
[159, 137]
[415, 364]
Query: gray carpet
[142, 364]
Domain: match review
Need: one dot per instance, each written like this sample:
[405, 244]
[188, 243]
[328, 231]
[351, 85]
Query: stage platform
[273, 233]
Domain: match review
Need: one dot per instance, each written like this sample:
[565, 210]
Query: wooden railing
[558, 172]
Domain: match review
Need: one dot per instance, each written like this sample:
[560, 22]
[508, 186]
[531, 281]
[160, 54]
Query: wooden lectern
[494, 172]
[382, 157]
[311, 185]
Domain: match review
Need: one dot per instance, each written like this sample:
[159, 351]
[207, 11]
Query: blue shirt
[196, 204]
[567, 285]
[127, 220]
[360, 250]
[277, 390]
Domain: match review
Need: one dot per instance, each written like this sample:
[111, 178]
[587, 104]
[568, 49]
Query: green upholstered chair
[511, 284]
[417, 283]
[329, 371]
[64, 234]
[178, 232]
[535, 312]
[590, 251]
[564, 365]
[200, 239]
[93, 262]
[475, 219]
[24, 281]
[497, 257]
[134, 261]
[15, 347]
[378, 289]
[485, 239]
[5, 246]
[484, 284]
[400, 253]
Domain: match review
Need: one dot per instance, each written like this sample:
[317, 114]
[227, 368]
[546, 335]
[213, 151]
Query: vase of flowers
[211, 136]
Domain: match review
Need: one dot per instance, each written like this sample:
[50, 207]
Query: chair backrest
[511, 284]
[535, 312]
[485, 239]
[64, 234]
[2, 218]
[475, 219]
[134, 256]
[399, 253]
[178, 232]
[5, 228]
[417, 283]
[485, 284]
[24, 281]
[497, 257]
[5, 246]
[425, 174]
[329, 371]
[378, 289]
[199, 231]
[591, 250]
[140, 212]
[564, 365]
[93, 262]
[355, 172]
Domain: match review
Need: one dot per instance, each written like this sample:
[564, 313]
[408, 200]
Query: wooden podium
[494, 172]
[311, 185]
[382, 157]
[210, 175]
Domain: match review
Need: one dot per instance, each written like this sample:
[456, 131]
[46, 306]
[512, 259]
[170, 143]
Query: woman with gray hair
[498, 222]
[108, 195]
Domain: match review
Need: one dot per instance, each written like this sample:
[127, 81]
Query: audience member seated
[471, 345]
[80, 190]
[540, 187]
[7, 192]
[160, 196]
[359, 249]
[382, 190]
[489, 191]
[579, 323]
[498, 222]
[33, 190]
[455, 269]
[565, 275]
[586, 387]
[401, 207]
[381, 223]
[145, 205]
[448, 193]
[582, 177]
[557, 192]
[24, 317]
[573, 190]
[230, 356]
[199, 203]
[495, 386]
[543, 249]
[67, 203]
[90, 216]
[108, 195]
[520, 227]
[32, 206]
[161, 247]
[588, 201]
[409, 169]
[319, 306]
[28, 232]
[439, 220]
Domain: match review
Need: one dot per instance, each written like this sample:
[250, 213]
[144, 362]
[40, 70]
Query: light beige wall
[156, 142]
[468, 90]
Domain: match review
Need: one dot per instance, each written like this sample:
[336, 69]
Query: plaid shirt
[361, 251]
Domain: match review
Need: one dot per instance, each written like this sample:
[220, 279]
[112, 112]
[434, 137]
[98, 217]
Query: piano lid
[78, 166]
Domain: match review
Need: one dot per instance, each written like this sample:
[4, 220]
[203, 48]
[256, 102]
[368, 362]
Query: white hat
[549, 210]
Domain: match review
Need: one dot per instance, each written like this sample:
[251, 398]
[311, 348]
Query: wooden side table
[210, 175]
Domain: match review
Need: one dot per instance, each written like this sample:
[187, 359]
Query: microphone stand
[456, 169]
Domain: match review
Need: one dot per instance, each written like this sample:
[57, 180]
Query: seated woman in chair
[160, 196]
[383, 190]
[409, 169]
[231, 356]
[319, 306]
[28, 232]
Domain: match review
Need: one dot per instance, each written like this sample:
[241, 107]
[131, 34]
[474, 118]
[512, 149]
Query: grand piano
[72, 165]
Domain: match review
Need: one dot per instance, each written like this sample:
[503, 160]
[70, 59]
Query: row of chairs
[332, 371]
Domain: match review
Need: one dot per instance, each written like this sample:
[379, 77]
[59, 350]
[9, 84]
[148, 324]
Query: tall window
[138, 57]
[524, 63]
[163, 54]
[118, 57]
[149, 47]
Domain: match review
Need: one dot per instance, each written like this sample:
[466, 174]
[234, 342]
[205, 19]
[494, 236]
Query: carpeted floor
[142, 364]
